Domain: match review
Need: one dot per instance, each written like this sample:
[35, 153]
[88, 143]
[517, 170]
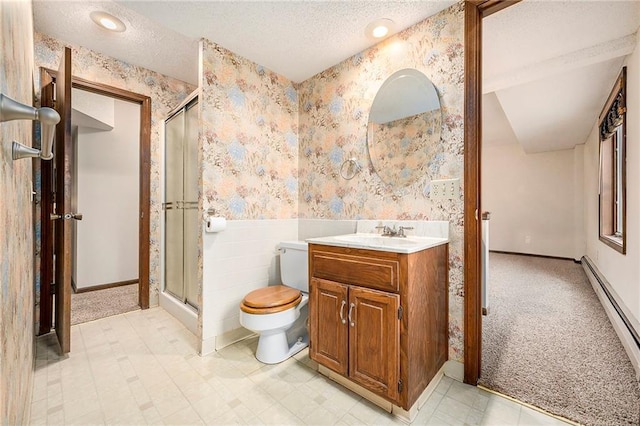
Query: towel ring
[350, 168]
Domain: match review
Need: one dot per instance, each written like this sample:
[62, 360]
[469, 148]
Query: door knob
[66, 216]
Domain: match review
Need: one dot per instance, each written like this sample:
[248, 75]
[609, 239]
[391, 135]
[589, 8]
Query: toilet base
[273, 347]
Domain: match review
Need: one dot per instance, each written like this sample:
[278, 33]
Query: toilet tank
[294, 264]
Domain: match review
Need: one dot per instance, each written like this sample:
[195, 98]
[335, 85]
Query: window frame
[612, 199]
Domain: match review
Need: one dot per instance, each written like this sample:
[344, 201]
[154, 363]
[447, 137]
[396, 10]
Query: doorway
[60, 189]
[547, 339]
[104, 189]
[475, 11]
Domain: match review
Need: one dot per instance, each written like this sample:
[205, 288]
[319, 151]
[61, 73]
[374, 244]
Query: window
[612, 196]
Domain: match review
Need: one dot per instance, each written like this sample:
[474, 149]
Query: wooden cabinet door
[328, 331]
[374, 340]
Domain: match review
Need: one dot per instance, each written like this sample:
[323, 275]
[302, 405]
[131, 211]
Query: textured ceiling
[535, 31]
[548, 68]
[144, 43]
[295, 38]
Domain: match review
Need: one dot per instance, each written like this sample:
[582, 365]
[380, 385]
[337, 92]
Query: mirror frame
[430, 95]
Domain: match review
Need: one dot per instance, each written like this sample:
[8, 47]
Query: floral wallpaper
[16, 235]
[333, 118]
[166, 93]
[250, 138]
[249, 149]
[401, 150]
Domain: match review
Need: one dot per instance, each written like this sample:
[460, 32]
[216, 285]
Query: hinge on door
[400, 312]
[400, 386]
[53, 288]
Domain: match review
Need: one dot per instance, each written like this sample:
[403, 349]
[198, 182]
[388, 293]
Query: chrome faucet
[392, 232]
[386, 231]
[401, 230]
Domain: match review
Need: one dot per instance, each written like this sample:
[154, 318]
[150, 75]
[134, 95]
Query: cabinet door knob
[351, 322]
[344, 321]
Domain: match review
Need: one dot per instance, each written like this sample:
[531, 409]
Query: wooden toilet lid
[271, 299]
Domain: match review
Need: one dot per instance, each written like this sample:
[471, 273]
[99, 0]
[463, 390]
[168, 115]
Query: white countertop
[410, 244]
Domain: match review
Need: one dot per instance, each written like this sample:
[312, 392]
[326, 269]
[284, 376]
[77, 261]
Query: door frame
[144, 228]
[144, 189]
[474, 12]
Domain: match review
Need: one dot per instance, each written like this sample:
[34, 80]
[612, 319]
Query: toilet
[279, 313]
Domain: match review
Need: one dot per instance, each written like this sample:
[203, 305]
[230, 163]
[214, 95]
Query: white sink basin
[410, 244]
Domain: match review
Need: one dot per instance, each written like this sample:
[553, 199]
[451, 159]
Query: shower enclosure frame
[187, 207]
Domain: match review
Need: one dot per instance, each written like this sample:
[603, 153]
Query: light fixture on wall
[107, 21]
[380, 28]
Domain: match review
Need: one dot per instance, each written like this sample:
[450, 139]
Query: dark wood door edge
[46, 225]
[62, 248]
[475, 10]
[144, 230]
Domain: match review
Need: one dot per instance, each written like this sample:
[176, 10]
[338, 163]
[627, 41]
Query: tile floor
[142, 368]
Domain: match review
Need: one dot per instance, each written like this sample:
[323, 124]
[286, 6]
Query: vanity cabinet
[379, 318]
[363, 340]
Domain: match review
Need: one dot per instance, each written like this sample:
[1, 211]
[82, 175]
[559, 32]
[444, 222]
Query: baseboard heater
[601, 280]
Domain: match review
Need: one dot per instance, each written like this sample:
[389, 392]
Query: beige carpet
[548, 342]
[92, 305]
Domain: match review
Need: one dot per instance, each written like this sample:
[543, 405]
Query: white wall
[92, 110]
[622, 271]
[236, 261]
[108, 176]
[532, 201]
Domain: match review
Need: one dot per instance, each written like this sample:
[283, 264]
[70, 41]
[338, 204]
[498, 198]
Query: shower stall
[182, 224]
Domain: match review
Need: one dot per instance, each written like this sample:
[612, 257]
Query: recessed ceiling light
[379, 28]
[380, 31]
[107, 21]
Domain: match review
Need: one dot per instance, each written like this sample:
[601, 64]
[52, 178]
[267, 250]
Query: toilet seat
[270, 300]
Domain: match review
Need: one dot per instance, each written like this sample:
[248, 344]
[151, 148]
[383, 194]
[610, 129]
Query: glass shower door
[173, 213]
[182, 226]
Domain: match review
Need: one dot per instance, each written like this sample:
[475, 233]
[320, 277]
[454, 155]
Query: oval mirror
[404, 127]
